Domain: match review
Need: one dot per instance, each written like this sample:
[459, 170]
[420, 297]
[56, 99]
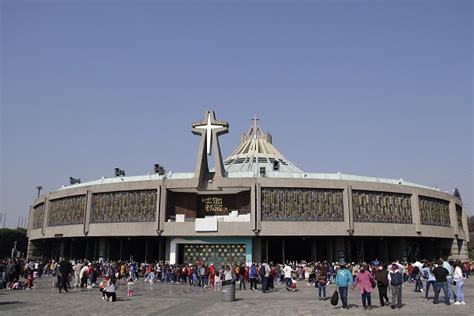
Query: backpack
[396, 278]
[262, 271]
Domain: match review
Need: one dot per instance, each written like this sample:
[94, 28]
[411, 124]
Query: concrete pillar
[162, 211]
[464, 225]
[167, 249]
[102, 248]
[87, 217]
[348, 211]
[46, 216]
[257, 249]
[61, 248]
[158, 210]
[259, 207]
[283, 250]
[453, 218]
[253, 207]
[31, 250]
[266, 250]
[313, 249]
[415, 212]
[340, 249]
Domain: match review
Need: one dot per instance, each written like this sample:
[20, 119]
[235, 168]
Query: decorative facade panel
[459, 215]
[434, 212]
[218, 254]
[125, 206]
[381, 207]
[67, 211]
[292, 204]
[38, 216]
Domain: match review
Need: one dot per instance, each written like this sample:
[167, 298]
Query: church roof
[256, 151]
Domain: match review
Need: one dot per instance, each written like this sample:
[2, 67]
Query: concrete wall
[255, 226]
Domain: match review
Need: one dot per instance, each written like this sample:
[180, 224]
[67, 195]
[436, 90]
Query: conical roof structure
[256, 151]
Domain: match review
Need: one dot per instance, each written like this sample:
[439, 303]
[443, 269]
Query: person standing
[381, 276]
[440, 273]
[287, 274]
[65, 268]
[458, 277]
[77, 271]
[396, 280]
[427, 272]
[343, 281]
[253, 277]
[242, 277]
[364, 280]
[322, 279]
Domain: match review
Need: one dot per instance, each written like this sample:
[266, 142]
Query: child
[293, 285]
[104, 285]
[29, 280]
[130, 287]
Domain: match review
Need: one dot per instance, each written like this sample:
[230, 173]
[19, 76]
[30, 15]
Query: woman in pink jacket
[365, 281]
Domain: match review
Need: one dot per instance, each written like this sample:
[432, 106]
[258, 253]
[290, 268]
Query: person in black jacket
[65, 268]
[381, 276]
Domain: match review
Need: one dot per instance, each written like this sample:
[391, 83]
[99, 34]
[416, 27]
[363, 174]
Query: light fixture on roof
[159, 169]
[74, 180]
[276, 165]
[119, 172]
[39, 188]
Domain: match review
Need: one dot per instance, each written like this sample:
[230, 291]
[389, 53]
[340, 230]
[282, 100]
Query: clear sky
[373, 88]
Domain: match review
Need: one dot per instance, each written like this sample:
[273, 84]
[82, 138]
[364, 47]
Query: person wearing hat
[395, 278]
[343, 280]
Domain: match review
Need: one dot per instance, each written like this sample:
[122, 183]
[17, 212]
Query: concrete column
[46, 215]
[30, 222]
[253, 208]
[87, 217]
[283, 250]
[415, 212]
[30, 252]
[453, 218]
[102, 248]
[266, 250]
[464, 225]
[339, 246]
[162, 209]
[158, 209]
[259, 207]
[61, 248]
[257, 249]
[167, 249]
[348, 211]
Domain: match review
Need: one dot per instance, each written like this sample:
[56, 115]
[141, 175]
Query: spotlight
[119, 172]
[74, 180]
[159, 169]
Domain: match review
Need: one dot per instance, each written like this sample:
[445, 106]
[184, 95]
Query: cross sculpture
[209, 129]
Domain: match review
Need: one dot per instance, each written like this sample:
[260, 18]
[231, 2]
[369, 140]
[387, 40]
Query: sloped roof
[256, 151]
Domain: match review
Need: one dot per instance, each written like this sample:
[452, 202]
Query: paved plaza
[177, 299]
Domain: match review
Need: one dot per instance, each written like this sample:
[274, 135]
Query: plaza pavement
[177, 299]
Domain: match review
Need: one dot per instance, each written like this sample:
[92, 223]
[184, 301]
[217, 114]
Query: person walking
[343, 281]
[364, 280]
[396, 280]
[65, 268]
[287, 274]
[381, 276]
[253, 277]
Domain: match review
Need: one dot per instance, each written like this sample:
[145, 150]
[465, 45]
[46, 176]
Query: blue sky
[375, 88]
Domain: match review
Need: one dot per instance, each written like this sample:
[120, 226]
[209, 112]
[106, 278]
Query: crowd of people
[446, 275]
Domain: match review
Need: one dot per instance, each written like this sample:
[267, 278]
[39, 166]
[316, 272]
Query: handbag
[335, 298]
[372, 282]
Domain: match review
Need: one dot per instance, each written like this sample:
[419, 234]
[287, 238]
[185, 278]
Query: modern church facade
[255, 205]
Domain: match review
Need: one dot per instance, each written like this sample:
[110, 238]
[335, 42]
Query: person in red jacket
[212, 274]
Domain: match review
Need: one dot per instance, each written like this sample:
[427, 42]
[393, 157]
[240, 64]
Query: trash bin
[228, 292]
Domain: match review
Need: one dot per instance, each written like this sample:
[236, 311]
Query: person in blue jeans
[429, 277]
[322, 281]
[343, 281]
[441, 274]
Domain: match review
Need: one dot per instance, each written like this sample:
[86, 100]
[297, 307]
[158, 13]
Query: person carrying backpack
[396, 280]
